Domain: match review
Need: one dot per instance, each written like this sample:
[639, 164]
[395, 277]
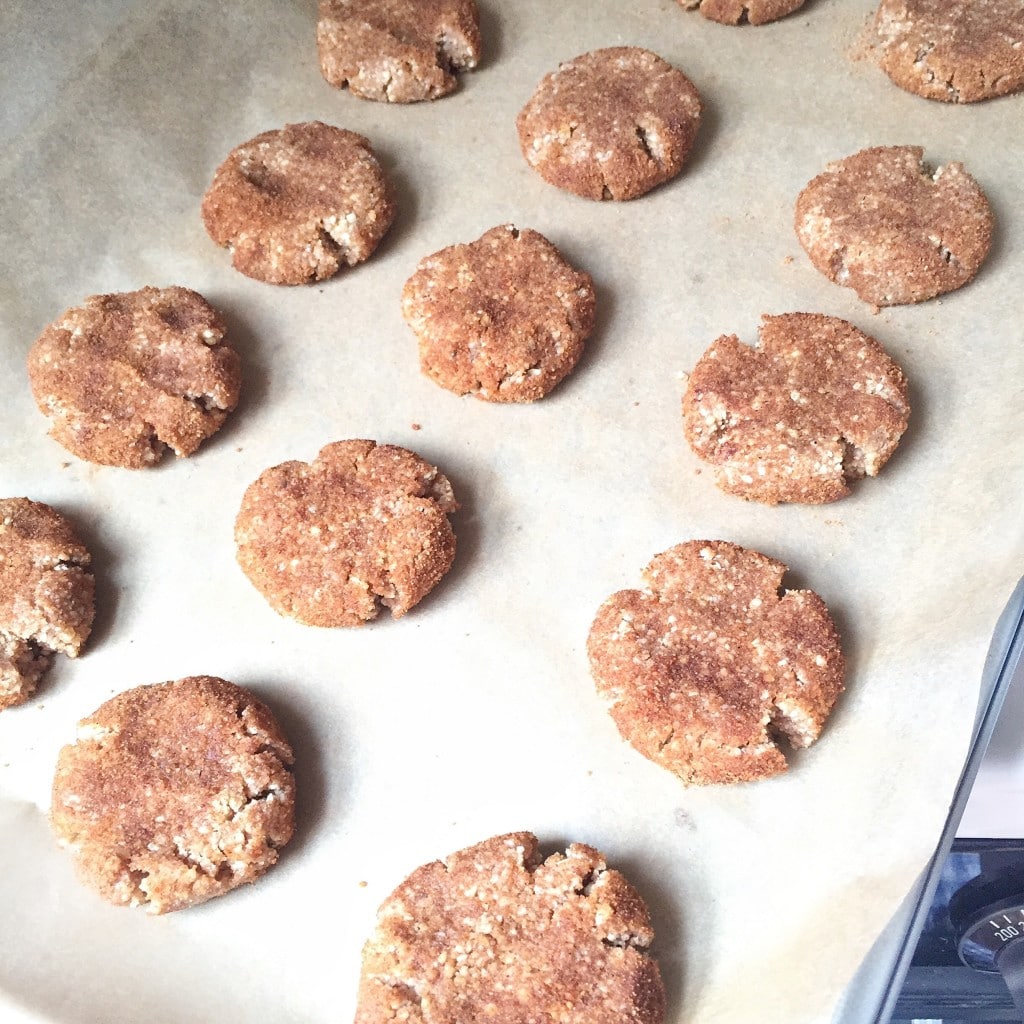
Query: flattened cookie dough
[175, 793]
[503, 318]
[814, 404]
[124, 377]
[46, 594]
[363, 525]
[886, 225]
[498, 933]
[397, 51]
[708, 667]
[296, 204]
[957, 51]
[743, 12]
[610, 124]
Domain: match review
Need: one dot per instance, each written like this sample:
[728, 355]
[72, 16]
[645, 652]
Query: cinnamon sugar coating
[711, 665]
[743, 12]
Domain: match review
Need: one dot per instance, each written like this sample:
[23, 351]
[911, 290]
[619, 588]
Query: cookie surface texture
[956, 51]
[498, 933]
[360, 527]
[397, 51]
[46, 594]
[175, 793]
[884, 224]
[708, 667]
[610, 124]
[298, 203]
[503, 318]
[815, 404]
[124, 377]
[740, 12]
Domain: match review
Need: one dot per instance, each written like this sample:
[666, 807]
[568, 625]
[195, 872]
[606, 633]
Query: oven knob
[994, 942]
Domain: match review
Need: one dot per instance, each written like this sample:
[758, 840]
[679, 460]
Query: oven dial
[994, 941]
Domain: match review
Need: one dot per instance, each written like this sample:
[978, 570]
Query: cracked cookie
[713, 665]
[895, 231]
[496, 932]
[46, 594]
[124, 377]
[957, 51]
[175, 793]
[503, 318]
[610, 124]
[814, 404]
[743, 12]
[298, 203]
[364, 525]
[397, 51]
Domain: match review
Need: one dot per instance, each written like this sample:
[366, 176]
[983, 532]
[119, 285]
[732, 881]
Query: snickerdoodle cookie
[296, 204]
[362, 525]
[175, 793]
[712, 664]
[743, 12]
[496, 932]
[124, 377]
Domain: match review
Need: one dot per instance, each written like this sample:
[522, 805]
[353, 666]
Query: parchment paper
[476, 714]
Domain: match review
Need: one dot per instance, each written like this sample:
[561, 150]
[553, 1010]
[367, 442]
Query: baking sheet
[475, 714]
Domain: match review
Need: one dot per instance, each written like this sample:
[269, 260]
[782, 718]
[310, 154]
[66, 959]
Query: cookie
[886, 225]
[498, 933]
[743, 12]
[610, 124]
[397, 51]
[296, 204]
[815, 404]
[364, 525]
[503, 318]
[712, 665]
[175, 793]
[957, 51]
[124, 377]
[46, 594]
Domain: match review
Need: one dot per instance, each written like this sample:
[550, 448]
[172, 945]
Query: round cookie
[397, 51]
[814, 404]
[124, 377]
[503, 318]
[743, 12]
[362, 526]
[610, 124]
[175, 793]
[712, 664]
[884, 224]
[957, 51]
[46, 594]
[296, 204]
[498, 933]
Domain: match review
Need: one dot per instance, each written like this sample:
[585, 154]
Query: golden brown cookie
[814, 404]
[46, 594]
[124, 377]
[296, 204]
[397, 51]
[503, 318]
[498, 933]
[712, 665]
[610, 124]
[175, 793]
[895, 231]
[743, 12]
[957, 51]
[363, 525]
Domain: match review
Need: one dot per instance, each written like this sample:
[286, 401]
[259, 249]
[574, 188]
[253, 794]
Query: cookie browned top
[46, 594]
[958, 51]
[884, 224]
[815, 404]
[397, 51]
[124, 377]
[295, 204]
[175, 793]
[362, 525]
[743, 12]
[610, 124]
[503, 318]
[709, 666]
[497, 933]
